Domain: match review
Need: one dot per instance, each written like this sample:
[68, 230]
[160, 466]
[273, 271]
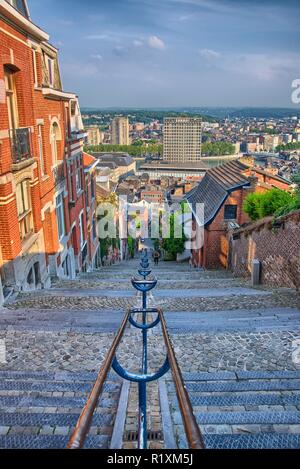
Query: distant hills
[210, 113]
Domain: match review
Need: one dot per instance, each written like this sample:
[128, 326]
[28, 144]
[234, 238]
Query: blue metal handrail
[84, 422]
[142, 379]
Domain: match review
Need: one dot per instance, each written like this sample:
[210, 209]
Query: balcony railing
[21, 144]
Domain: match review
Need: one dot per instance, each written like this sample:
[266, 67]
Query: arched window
[55, 138]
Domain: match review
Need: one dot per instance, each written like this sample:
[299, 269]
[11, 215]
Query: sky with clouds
[167, 53]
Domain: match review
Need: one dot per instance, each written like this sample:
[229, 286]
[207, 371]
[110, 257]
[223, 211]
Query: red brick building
[93, 259]
[223, 191]
[43, 217]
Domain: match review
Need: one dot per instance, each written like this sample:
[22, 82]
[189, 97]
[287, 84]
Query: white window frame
[81, 230]
[41, 149]
[50, 68]
[35, 74]
[60, 211]
[78, 180]
[24, 208]
[54, 149]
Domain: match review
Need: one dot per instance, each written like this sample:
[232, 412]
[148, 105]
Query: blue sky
[160, 53]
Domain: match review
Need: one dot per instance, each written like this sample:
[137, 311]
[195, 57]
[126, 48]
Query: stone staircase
[40, 409]
[242, 410]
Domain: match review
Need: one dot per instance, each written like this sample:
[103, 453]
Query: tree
[131, 246]
[172, 245]
[289, 146]
[260, 205]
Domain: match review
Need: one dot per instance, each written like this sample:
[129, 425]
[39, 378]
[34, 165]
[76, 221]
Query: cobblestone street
[217, 324]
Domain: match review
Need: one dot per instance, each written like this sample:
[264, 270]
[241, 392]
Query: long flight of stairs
[242, 410]
[40, 409]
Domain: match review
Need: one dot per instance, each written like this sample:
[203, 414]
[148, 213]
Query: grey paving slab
[281, 374]
[243, 399]
[67, 419]
[244, 386]
[249, 417]
[209, 292]
[268, 319]
[237, 375]
[206, 376]
[257, 441]
[52, 386]
[49, 442]
[89, 293]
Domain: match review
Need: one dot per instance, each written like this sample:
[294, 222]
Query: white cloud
[85, 70]
[65, 22]
[184, 17]
[262, 66]
[138, 43]
[156, 43]
[209, 54]
[97, 56]
[98, 36]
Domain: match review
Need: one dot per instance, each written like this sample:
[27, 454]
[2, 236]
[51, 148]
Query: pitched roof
[120, 159]
[214, 188]
[88, 159]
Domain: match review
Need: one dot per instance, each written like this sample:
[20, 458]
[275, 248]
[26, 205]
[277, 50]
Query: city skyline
[176, 52]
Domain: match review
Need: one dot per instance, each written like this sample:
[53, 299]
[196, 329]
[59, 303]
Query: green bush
[260, 205]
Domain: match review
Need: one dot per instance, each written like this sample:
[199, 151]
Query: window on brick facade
[92, 188]
[87, 194]
[41, 150]
[34, 67]
[230, 212]
[78, 177]
[55, 136]
[20, 6]
[11, 98]
[50, 69]
[67, 122]
[60, 215]
[71, 181]
[24, 208]
[94, 231]
[81, 230]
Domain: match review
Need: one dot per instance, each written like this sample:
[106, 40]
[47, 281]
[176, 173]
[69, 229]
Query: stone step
[60, 376]
[244, 386]
[67, 402]
[52, 420]
[49, 442]
[259, 417]
[53, 386]
[237, 399]
[257, 441]
[241, 375]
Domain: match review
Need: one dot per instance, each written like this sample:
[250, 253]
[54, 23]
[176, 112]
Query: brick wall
[277, 248]
[215, 251]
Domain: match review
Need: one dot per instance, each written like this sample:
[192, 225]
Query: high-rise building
[182, 139]
[94, 135]
[120, 131]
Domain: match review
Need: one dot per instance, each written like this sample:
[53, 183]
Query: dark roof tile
[214, 188]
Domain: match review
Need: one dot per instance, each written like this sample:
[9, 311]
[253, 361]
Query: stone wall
[276, 244]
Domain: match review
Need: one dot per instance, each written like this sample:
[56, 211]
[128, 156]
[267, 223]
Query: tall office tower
[94, 135]
[182, 139]
[120, 131]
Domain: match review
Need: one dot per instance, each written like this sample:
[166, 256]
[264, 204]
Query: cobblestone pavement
[216, 323]
[48, 330]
